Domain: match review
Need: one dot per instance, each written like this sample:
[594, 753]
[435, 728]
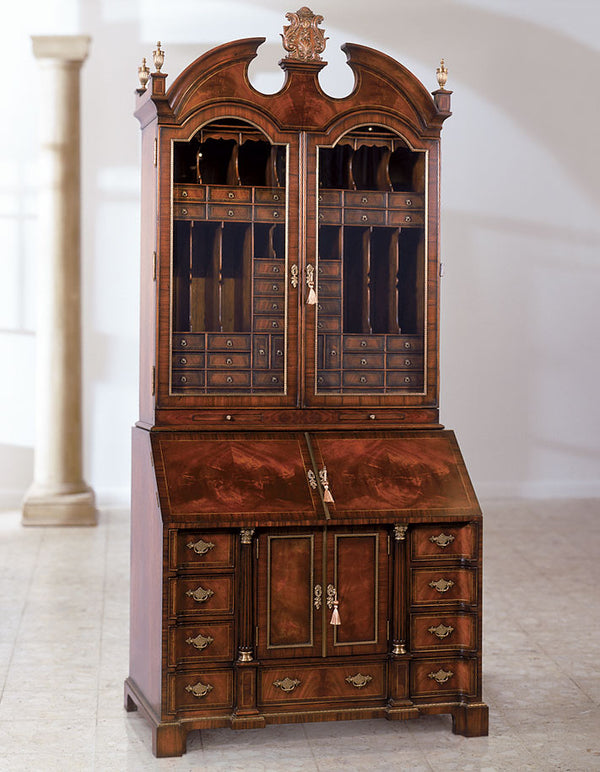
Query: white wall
[520, 227]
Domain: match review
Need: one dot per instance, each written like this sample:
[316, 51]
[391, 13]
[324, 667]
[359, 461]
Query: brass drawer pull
[200, 547]
[318, 593]
[184, 193]
[441, 676]
[408, 202]
[200, 595]
[229, 361]
[275, 269]
[275, 214]
[363, 379]
[287, 684]
[442, 539]
[184, 211]
[275, 197]
[199, 690]
[230, 212]
[229, 379]
[364, 218]
[200, 641]
[441, 631]
[363, 362]
[359, 680]
[408, 218]
[364, 200]
[183, 379]
[407, 362]
[229, 343]
[442, 585]
[231, 194]
[183, 361]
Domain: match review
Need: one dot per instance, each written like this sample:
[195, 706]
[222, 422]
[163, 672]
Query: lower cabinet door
[322, 683]
[200, 690]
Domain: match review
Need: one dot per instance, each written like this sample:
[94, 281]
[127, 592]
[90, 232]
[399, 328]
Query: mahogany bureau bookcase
[306, 542]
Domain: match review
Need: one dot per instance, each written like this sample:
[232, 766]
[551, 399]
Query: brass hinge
[153, 380]
[154, 266]
[155, 151]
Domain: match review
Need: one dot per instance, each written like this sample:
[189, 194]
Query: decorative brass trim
[441, 676]
[442, 74]
[246, 535]
[400, 532]
[199, 690]
[287, 684]
[245, 656]
[441, 631]
[158, 56]
[398, 648]
[200, 595]
[331, 595]
[200, 641]
[359, 680]
[312, 479]
[442, 585]
[143, 75]
[294, 280]
[318, 596]
[442, 539]
[302, 38]
[200, 547]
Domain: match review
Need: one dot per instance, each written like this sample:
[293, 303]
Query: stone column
[59, 495]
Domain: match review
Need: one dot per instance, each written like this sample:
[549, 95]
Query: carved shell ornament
[302, 38]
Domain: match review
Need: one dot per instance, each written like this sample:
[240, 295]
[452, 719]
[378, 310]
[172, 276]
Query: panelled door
[301, 575]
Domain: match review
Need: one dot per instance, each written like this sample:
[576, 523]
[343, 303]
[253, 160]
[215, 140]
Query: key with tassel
[327, 496]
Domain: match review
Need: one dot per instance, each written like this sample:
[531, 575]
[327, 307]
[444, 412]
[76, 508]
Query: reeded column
[59, 495]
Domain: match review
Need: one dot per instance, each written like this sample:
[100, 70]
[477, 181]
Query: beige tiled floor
[63, 659]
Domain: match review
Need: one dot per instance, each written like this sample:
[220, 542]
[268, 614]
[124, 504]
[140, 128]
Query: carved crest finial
[302, 38]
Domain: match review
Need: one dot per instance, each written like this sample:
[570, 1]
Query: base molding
[43, 507]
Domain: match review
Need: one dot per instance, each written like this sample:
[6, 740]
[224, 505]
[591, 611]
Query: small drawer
[357, 379]
[329, 216]
[364, 217]
[322, 683]
[405, 201]
[228, 361]
[277, 352]
[406, 219]
[268, 305]
[404, 380]
[226, 380]
[195, 643]
[332, 355]
[431, 677]
[268, 324]
[364, 198]
[364, 343]
[201, 596]
[331, 306]
[269, 195]
[238, 195]
[443, 541]
[331, 288]
[269, 380]
[183, 194]
[328, 380]
[269, 287]
[368, 361]
[188, 341]
[226, 342]
[404, 343]
[225, 212]
[443, 631]
[200, 691]
[261, 351]
[185, 360]
[269, 213]
[443, 586]
[330, 197]
[189, 211]
[271, 268]
[405, 361]
[200, 549]
[187, 378]
[329, 324]
[330, 269]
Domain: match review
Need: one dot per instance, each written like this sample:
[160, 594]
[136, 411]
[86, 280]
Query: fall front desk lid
[278, 476]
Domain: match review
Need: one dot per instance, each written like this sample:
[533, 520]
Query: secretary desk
[306, 542]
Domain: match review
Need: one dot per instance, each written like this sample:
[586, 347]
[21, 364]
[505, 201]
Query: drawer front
[365, 199]
[329, 216]
[201, 549]
[443, 586]
[200, 690]
[233, 379]
[226, 212]
[184, 193]
[322, 683]
[443, 631]
[188, 378]
[443, 541]
[269, 213]
[330, 268]
[363, 380]
[186, 360]
[364, 217]
[367, 361]
[209, 594]
[432, 677]
[404, 343]
[330, 197]
[268, 305]
[226, 342]
[188, 341]
[239, 195]
[268, 324]
[405, 218]
[329, 288]
[268, 380]
[362, 343]
[269, 287]
[189, 211]
[329, 380]
[405, 361]
[193, 644]
[261, 351]
[274, 268]
[331, 353]
[405, 380]
[405, 201]
[269, 195]
[229, 361]
[329, 324]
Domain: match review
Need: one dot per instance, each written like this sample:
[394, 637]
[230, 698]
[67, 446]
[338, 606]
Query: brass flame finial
[143, 74]
[159, 57]
[442, 74]
[302, 38]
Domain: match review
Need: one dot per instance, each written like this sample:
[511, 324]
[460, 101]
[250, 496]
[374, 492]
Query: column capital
[65, 48]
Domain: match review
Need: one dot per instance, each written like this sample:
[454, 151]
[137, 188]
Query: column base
[43, 507]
